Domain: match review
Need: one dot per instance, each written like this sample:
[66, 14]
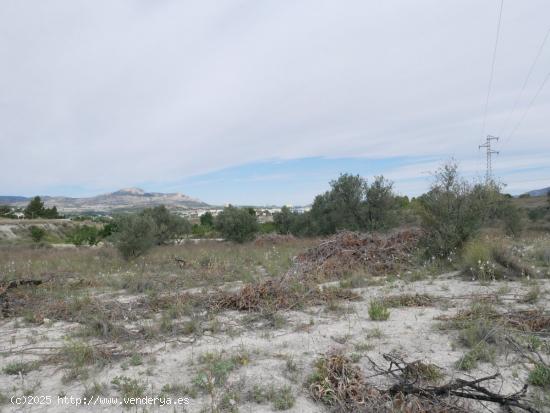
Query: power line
[492, 68]
[529, 105]
[529, 73]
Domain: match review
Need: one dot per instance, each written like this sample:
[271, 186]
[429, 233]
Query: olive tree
[237, 224]
[135, 234]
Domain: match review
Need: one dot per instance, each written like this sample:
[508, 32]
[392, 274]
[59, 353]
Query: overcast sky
[265, 101]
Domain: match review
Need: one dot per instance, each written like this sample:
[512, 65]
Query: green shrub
[207, 219]
[216, 367]
[283, 220]
[540, 376]
[282, 398]
[79, 354]
[532, 296]
[300, 224]
[237, 224]
[378, 311]
[135, 234]
[267, 227]
[84, 234]
[453, 210]
[479, 331]
[482, 352]
[167, 226]
[37, 233]
[108, 229]
[129, 388]
[511, 217]
[20, 367]
[353, 204]
[542, 254]
[136, 360]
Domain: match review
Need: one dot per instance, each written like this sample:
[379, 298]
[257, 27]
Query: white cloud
[108, 94]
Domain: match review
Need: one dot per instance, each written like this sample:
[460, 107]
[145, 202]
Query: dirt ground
[249, 362]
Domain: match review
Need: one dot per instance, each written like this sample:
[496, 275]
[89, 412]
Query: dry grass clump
[535, 320]
[478, 310]
[532, 320]
[418, 370]
[484, 331]
[20, 367]
[345, 251]
[490, 259]
[336, 381]
[409, 300]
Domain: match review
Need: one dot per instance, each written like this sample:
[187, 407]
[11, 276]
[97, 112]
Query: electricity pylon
[490, 152]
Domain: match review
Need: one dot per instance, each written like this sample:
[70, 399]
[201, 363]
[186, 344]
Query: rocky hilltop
[123, 199]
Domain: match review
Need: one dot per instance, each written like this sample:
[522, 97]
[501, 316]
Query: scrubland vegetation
[368, 302]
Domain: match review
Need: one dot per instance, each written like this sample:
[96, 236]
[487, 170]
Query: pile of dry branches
[272, 295]
[340, 384]
[348, 250]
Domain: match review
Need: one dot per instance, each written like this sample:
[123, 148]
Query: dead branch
[338, 382]
[181, 262]
[467, 389]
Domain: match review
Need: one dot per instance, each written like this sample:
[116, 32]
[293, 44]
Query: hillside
[123, 199]
[539, 192]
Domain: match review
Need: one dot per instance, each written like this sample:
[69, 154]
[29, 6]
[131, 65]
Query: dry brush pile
[273, 295]
[346, 250]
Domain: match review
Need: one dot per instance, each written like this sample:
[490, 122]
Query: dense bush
[108, 229]
[350, 204]
[284, 220]
[511, 217]
[453, 210]
[167, 225]
[5, 211]
[84, 234]
[207, 219]
[134, 234]
[37, 233]
[237, 224]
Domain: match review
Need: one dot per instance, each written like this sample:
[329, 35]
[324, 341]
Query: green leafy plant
[540, 376]
[378, 311]
[37, 233]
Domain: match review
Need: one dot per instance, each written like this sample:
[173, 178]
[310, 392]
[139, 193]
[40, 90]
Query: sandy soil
[410, 331]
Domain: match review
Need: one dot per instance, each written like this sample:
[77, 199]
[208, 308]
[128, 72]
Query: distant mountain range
[123, 199]
[539, 192]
